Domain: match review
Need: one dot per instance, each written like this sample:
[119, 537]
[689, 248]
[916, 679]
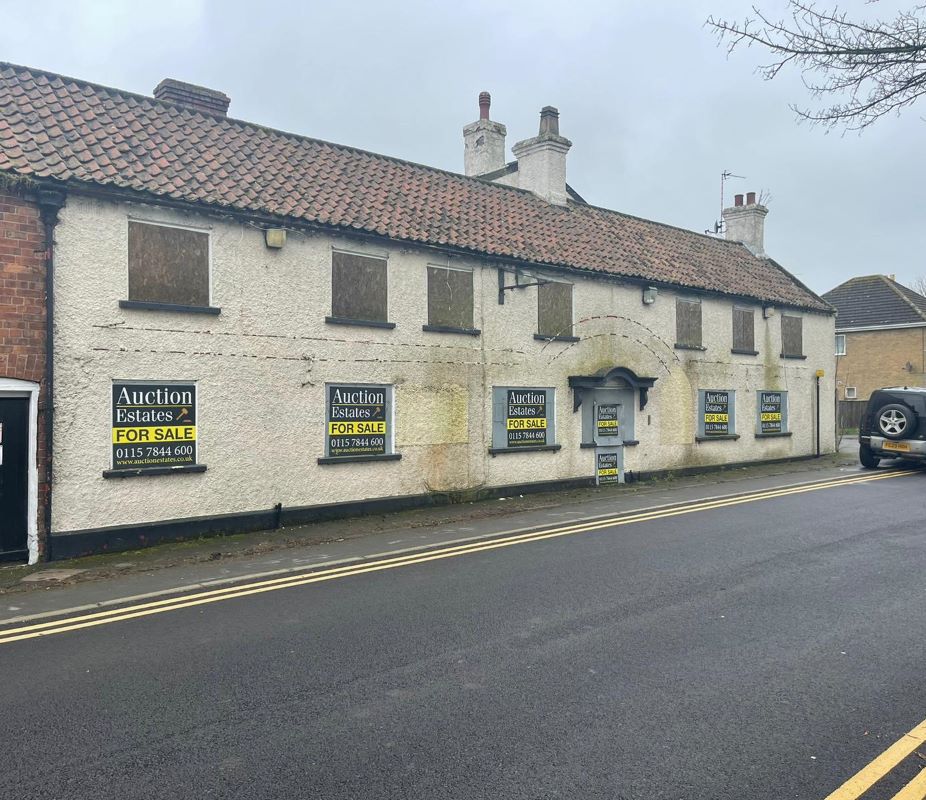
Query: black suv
[893, 426]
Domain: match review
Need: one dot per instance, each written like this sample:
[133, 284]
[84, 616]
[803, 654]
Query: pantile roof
[874, 301]
[59, 128]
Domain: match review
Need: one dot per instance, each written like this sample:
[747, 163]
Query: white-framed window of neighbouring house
[840, 344]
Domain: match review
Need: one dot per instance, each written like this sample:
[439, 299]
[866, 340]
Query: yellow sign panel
[716, 417]
[607, 472]
[771, 417]
[531, 423]
[356, 427]
[160, 434]
[607, 423]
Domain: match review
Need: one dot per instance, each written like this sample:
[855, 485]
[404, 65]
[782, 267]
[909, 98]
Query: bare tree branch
[864, 70]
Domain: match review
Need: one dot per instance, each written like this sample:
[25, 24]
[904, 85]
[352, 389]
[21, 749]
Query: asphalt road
[763, 650]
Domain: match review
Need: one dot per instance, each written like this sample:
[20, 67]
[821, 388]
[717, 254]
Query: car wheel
[868, 459]
[896, 421]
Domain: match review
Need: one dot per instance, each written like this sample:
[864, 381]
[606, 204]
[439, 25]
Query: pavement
[79, 584]
[758, 638]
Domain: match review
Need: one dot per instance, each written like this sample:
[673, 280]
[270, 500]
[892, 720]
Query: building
[880, 335]
[253, 328]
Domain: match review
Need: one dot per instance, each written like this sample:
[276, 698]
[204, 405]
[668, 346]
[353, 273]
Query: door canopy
[605, 378]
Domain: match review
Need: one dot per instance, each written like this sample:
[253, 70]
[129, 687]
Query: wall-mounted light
[649, 295]
[275, 237]
[768, 311]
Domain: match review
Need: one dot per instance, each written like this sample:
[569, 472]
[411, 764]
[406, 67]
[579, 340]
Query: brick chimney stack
[193, 98]
[542, 160]
[483, 142]
[745, 222]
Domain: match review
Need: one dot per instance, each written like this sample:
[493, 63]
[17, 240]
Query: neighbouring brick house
[880, 335]
[24, 406]
[255, 328]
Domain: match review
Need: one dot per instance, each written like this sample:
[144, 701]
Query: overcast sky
[655, 110]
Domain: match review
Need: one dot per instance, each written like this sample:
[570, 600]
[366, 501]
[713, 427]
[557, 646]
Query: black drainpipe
[50, 202]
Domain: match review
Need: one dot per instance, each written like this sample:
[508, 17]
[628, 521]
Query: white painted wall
[262, 364]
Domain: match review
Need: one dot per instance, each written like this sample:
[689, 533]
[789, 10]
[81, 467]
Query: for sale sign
[770, 412]
[607, 419]
[153, 425]
[716, 413]
[358, 420]
[526, 417]
[607, 467]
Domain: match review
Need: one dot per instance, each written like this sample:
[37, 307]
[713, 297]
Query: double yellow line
[135, 611]
[870, 774]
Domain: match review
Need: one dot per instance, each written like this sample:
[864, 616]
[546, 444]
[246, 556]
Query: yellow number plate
[902, 447]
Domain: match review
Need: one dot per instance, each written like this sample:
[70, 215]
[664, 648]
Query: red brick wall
[882, 358]
[22, 313]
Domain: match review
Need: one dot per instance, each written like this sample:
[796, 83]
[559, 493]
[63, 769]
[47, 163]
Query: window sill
[144, 305]
[144, 472]
[625, 443]
[781, 435]
[362, 323]
[541, 338]
[504, 451]
[679, 346]
[798, 358]
[359, 459]
[727, 437]
[451, 329]
[739, 352]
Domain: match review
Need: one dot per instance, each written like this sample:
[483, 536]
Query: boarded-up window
[792, 336]
[168, 265]
[744, 330]
[450, 298]
[554, 309]
[687, 323]
[358, 287]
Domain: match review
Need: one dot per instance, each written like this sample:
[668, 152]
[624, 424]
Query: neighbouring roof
[59, 128]
[874, 301]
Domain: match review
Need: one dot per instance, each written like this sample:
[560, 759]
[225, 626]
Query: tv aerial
[718, 224]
